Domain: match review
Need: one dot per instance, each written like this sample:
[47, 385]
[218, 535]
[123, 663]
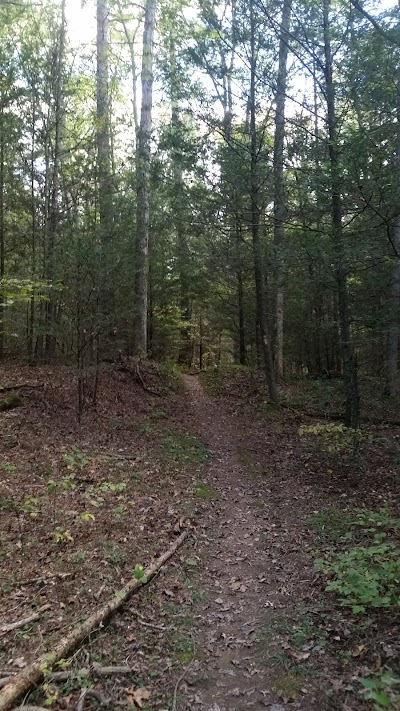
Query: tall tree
[349, 364]
[259, 272]
[280, 202]
[143, 185]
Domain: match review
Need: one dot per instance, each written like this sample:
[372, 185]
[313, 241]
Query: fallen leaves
[138, 696]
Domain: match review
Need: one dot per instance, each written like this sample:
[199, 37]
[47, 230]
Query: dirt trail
[244, 578]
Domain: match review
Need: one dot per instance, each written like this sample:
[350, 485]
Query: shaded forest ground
[240, 609]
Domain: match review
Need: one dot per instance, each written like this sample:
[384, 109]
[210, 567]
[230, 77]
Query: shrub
[364, 577]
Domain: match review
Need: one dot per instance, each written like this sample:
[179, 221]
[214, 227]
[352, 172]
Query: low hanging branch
[29, 677]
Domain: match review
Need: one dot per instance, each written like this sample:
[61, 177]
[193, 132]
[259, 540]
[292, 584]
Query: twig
[144, 622]
[43, 578]
[93, 694]
[30, 708]
[181, 678]
[24, 680]
[26, 621]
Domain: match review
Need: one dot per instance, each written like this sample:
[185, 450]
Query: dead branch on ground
[24, 680]
[26, 621]
[95, 670]
[91, 694]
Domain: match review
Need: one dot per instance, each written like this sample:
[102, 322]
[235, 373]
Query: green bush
[383, 688]
[364, 577]
[11, 400]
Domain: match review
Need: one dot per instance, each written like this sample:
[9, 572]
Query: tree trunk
[280, 202]
[2, 230]
[103, 122]
[50, 340]
[393, 331]
[31, 313]
[240, 297]
[185, 348]
[352, 415]
[255, 224]
[143, 186]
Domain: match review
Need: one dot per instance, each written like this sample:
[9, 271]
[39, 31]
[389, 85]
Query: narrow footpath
[254, 566]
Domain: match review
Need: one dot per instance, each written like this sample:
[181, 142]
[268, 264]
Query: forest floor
[239, 617]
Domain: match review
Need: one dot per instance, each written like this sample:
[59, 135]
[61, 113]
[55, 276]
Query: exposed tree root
[29, 677]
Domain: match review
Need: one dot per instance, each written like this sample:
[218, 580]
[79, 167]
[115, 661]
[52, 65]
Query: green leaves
[383, 688]
[138, 573]
[364, 577]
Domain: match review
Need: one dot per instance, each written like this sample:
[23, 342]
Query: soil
[238, 618]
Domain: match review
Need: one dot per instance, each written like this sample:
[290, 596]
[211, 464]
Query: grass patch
[183, 647]
[183, 447]
[270, 410]
[212, 381]
[288, 685]
[204, 491]
[331, 525]
[11, 400]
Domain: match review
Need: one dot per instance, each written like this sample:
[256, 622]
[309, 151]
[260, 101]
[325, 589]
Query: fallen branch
[21, 386]
[91, 694]
[22, 682]
[61, 676]
[30, 708]
[43, 578]
[26, 621]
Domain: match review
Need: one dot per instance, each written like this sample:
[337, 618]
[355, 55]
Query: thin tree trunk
[240, 297]
[103, 122]
[2, 230]
[352, 415]
[31, 315]
[255, 224]
[185, 348]
[143, 186]
[50, 340]
[394, 330]
[280, 202]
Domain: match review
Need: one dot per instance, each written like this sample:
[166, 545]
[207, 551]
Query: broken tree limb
[26, 621]
[29, 677]
[61, 676]
[42, 579]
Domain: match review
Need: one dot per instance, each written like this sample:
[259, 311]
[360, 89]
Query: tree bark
[352, 415]
[280, 202]
[185, 348]
[103, 122]
[259, 272]
[2, 229]
[394, 330]
[143, 186]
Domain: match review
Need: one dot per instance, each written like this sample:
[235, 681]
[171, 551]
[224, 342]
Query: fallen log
[29, 677]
